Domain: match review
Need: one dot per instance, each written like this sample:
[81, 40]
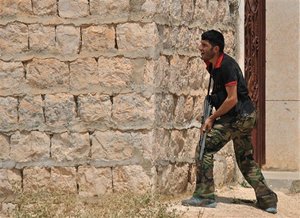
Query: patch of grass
[55, 204]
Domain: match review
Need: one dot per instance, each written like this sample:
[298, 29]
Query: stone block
[200, 10]
[191, 141]
[138, 40]
[176, 38]
[161, 80]
[13, 39]
[84, 74]
[145, 142]
[165, 34]
[183, 113]
[4, 147]
[133, 111]
[10, 182]
[94, 181]
[28, 147]
[41, 38]
[45, 7]
[98, 38]
[8, 209]
[31, 114]
[116, 145]
[8, 113]
[185, 76]
[230, 40]
[198, 77]
[17, 7]
[165, 106]
[175, 10]
[225, 166]
[187, 10]
[179, 112]
[198, 110]
[211, 12]
[70, 146]
[111, 145]
[176, 145]
[50, 74]
[131, 179]
[183, 144]
[68, 40]
[227, 150]
[63, 179]
[150, 71]
[172, 178]
[59, 109]
[12, 76]
[115, 73]
[161, 144]
[163, 8]
[36, 179]
[195, 38]
[179, 78]
[218, 11]
[156, 74]
[73, 8]
[224, 170]
[171, 11]
[181, 39]
[140, 10]
[110, 8]
[95, 108]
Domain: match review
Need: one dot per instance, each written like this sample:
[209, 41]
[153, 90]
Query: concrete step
[283, 180]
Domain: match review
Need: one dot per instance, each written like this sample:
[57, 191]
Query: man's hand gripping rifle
[207, 109]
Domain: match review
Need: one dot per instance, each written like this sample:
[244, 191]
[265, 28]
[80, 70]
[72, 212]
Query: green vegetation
[53, 204]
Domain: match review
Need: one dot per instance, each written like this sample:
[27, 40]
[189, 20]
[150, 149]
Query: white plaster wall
[282, 85]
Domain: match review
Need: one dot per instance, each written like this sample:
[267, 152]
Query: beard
[208, 55]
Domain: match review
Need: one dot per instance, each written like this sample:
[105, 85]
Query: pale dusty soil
[235, 202]
[239, 202]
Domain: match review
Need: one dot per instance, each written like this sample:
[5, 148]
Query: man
[233, 119]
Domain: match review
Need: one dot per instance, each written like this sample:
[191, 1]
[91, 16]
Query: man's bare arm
[228, 104]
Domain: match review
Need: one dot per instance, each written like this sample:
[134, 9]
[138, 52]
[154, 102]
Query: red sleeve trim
[233, 83]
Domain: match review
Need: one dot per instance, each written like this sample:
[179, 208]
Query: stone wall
[101, 96]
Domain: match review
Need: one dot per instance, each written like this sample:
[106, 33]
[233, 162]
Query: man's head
[212, 43]
[215, 38]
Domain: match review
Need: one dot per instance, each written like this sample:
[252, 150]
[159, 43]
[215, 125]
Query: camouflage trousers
[238, 130]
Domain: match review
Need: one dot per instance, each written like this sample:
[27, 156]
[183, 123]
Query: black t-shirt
[227, 73]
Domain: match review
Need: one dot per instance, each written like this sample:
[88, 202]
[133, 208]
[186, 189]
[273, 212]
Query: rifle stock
[207, 109]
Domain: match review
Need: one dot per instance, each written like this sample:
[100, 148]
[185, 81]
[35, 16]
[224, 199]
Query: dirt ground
[239, 202]
[236, 201]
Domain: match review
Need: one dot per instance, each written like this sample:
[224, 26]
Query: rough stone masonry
[101, 96]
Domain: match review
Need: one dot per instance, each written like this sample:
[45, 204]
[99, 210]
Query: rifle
[207, 109]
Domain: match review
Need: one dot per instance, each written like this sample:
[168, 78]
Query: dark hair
[215, 38]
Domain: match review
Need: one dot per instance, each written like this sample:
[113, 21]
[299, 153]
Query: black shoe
[199, 202]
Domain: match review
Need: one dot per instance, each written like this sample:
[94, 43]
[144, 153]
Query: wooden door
[255, 69]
